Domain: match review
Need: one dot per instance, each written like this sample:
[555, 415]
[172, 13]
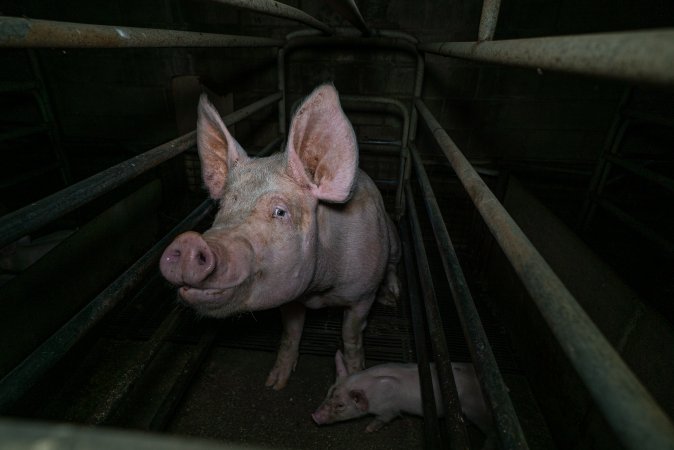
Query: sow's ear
[322, 152]
[218, 150]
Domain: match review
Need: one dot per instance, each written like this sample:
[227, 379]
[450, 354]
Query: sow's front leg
[353, 324]
[292, 315]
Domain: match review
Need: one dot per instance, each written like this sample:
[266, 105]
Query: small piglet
[387, 390]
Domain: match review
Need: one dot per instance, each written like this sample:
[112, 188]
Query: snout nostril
[201, 258]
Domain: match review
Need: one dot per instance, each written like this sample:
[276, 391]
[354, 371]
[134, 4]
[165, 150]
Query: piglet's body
[387, 390]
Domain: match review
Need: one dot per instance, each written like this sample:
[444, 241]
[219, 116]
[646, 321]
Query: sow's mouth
[210, 297]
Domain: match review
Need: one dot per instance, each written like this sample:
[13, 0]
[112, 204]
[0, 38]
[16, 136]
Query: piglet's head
[261, 250]
[343, 401]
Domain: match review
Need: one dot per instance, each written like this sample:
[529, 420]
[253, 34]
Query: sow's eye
[280, 212]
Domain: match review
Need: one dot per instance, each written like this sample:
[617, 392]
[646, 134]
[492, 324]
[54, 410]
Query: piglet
[387, 390]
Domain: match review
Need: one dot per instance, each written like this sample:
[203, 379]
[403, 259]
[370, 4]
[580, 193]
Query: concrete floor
[228, 401]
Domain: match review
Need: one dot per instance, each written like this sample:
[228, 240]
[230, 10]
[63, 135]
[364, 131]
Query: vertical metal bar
[488, 20]
[494, 388]
[631, 411]
[16, 383]
[281, 68]
[458, 437]
[278, 9]
[349, 10]
[431, 435]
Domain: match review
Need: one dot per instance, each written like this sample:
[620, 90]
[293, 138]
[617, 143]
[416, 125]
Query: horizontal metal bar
[419, 329]
[494, 388]
[34, 33]
[488, 19]
[16, 383]
[198, 354]
[22, 131]
[17, 86]
[630, 410]
[25, 435]
[457, 434]
[661, 243]
[634, 56]
[123, 384]
[642, 116]
[643, 172]
[278, 9]
[270, 148]
[35, 215]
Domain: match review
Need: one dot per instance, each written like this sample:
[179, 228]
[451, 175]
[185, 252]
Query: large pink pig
[301, 228]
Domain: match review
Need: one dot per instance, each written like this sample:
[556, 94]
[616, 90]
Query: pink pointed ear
[322, 152]
[360, 399]
[340, 364]
[218, 150]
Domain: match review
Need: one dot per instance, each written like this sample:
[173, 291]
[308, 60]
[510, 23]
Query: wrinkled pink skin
[387, 390]
[302, 228]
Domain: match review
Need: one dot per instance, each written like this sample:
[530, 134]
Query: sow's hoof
[279, 375]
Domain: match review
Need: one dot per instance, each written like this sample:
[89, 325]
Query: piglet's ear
[218, 150]
[360, 399]
[340, 365]
[322, 151]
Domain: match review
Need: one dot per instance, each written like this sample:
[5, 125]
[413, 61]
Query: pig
[387, 390]
[304, 228]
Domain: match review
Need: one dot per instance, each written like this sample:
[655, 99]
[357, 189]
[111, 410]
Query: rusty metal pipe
[34, 33]
[277, 9]
[630, 410]
[633, 56]
[494, 388]
[488, 20]
[32, 217]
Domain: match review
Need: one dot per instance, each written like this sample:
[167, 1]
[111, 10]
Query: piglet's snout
[188, 261]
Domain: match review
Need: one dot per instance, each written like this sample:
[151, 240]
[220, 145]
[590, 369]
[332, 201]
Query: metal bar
[270, 148]
[29, 435]
[458, 437]
[35, 215]
[168, 407]
[34, 33]
[634, 56]
[661, 243]
[633, 414]
[642, 116]
[16, 383]
[488, 20]
[396, 43]
[26, 130]
[643, 172]
[111, 401]
[281, 10]
[349, 10]
[419, 329]
[494, 388]
[363, 100]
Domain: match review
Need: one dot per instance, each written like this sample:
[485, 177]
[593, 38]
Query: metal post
[633, 414]
[634, 56]
[458, 436]
[488, 19]
[494, 388]
[278, 9]
[34, 33]
[16, 383]
[419, 329]
[35, 215]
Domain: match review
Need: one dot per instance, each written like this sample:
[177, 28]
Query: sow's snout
[188, 261]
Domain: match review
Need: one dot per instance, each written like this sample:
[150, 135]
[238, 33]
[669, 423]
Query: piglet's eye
[340, 406]
[279, 212]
